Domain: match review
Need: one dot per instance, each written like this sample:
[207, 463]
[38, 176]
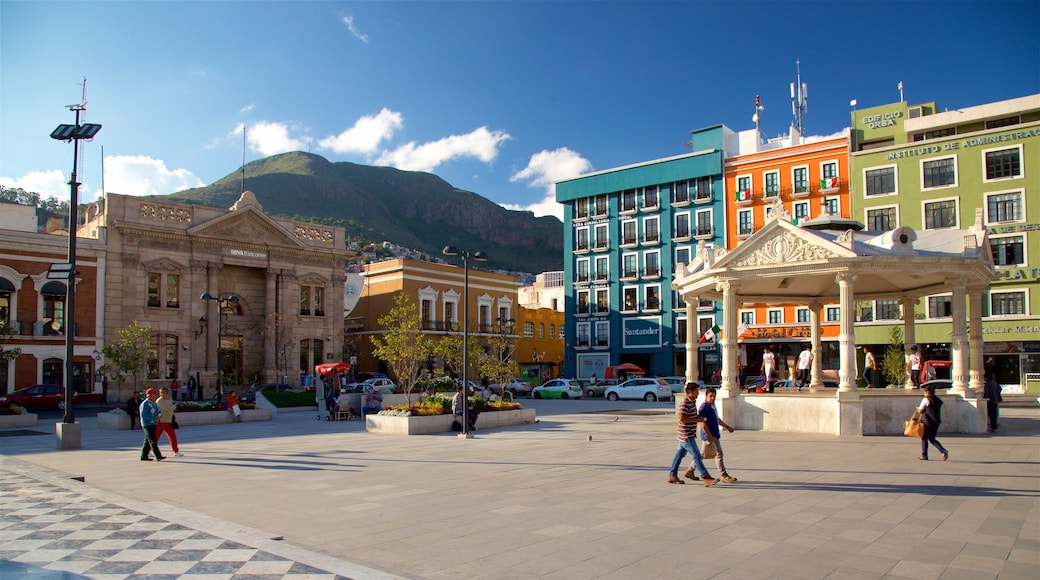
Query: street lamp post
[73, 133]
[222, 302]
[466, 257]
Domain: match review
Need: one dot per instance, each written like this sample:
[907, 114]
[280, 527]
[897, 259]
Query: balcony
[704, 233]
[832, 185]
[744, 197]
[628, 241]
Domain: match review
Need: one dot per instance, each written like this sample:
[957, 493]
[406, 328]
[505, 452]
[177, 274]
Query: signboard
[772, 332]
[641, 332]
[592, 364]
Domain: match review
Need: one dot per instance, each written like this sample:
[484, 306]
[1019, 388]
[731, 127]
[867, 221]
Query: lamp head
[206, 296]
[480, 257]
[450, 251]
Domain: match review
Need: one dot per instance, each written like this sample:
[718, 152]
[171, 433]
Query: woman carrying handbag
[931, 410]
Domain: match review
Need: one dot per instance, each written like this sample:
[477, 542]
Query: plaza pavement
[300, 498]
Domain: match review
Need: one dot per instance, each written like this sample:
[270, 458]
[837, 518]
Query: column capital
[723, 286]
[845, 277]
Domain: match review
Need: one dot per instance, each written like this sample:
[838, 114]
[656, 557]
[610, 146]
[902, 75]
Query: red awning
[329, 368]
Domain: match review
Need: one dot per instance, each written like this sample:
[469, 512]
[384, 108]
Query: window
[163, 288]
[940, 306]
[704, 223]
[866, 312]
[581, 239]
[887, 309]
[581, 271]
[651, 231]
[1007, 303]
[775, 315]
[651, 197]
[552, 331]
[602, 334]
[745, 222]
[703, 185]
[628, 200]
[800, 177]
[528, 329]
[653, 298]
[881, 181]
[449, 313]
[832, 205]
[832, 314]
[601, 236]
[1003, 163]
[6, 291]
[882, 219]
[602, 301]
[305, 300]
[940, 214]
[161, 357]
[631, 299]
[829, 175]
[801, 212]
[53, 294]
[583, 302]
[682, 226]
[1004, 122]
[1004, 207]
[651, 265]
[743, 188]
[628, 233]
[426, 311]
[682, 193]
[772, 183]
[801, 315]
[319, 301]
[747, 317]
[602, 268]
[582, 330]
[312, 299]
[541, 331]
[1009, 251]
[682, 255]
[629, 266]
[680, 331]
[581, 209]
[600, 205]
[939, 172]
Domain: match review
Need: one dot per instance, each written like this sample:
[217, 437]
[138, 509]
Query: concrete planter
[113, 421]
[217, 417]
[23, 420]
[423, 425]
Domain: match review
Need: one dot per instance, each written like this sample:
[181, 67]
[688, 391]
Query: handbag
[913, 428]
[174, 422]
[708, 450]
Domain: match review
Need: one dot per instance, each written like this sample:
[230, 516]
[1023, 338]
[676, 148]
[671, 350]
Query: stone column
[959, 339]
[847, 336]
[975, 294]
[816, 381]
[270, 371]
[692, 348]
[909, 339]
[213, 326]
[729, 339]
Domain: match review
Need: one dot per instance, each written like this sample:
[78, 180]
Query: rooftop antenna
[900, 87]
[757, 117]
[799, 98]
[243, 158]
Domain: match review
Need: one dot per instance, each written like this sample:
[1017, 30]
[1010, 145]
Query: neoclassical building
[275, 288]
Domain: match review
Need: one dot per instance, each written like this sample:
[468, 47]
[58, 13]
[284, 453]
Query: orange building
[539, 349]
[808, 178]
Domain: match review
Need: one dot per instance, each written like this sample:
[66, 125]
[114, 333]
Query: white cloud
[366, 134]
[246, 108]
[480, 143]
[271, 138]
[53, 183]
[142, 175]
[545, 168]
[349, 21]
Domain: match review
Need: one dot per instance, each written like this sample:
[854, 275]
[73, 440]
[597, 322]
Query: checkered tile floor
[47, 531]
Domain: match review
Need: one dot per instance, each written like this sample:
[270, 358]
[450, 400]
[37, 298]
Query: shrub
[196, 406]
[12, 409]
[290, 398]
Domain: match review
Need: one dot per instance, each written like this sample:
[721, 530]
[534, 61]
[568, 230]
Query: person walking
[991, 392]
[233, 406]
[165, 424]
[149, 419]
[711, 424]
[913, 366]
[768, 366]
[689, 418]
[742, 365]
[931, 410]
[133, 408]
[184, 391]
[805, 359]
[870, 371]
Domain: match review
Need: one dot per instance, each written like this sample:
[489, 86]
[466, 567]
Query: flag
[852, 103]
[709, 334]
[742, 328]
[744, 195]
[829, 183]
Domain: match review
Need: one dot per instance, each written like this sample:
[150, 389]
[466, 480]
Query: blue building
[625, 231]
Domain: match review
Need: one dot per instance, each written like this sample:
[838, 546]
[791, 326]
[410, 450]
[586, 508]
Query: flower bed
[200, 406]
[432, 416]
[23, 419]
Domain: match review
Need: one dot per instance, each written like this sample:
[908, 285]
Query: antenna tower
[799, 98]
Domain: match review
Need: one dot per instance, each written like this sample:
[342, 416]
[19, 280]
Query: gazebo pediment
[781, 242]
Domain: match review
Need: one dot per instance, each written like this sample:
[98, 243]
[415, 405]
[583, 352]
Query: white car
[382, 384]
[646, 388]
[557, 389]
[517, 388]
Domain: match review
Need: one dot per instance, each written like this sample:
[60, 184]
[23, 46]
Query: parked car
[753, 386]
[678, 384]
[646, 388]
[270, 387]
[517, 387]
[49, 396]
[599, 388]
[385, 385]
[557, 389]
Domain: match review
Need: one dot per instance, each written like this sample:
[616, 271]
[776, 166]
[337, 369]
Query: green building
[917, 166]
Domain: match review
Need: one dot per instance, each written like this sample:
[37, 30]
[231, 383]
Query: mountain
[409, 208]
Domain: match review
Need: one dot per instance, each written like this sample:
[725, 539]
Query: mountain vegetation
[412, 209]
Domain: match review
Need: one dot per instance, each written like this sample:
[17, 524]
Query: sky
[501, 98]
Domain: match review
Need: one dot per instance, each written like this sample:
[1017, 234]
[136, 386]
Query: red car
[36, 396]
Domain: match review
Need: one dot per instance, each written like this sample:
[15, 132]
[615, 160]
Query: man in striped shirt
[689, 418]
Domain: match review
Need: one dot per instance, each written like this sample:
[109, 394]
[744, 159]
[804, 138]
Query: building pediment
[162, 265]
[312, 279]
[248, 225]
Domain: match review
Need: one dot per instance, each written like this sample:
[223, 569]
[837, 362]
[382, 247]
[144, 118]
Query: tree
[498, 364]
[403, 346]
[6, 332]
[449, 348]
[128, 355]
[893, 365]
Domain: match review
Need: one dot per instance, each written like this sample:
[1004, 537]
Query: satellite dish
[754, 118]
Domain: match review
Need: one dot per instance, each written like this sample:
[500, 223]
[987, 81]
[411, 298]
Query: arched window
[53, 294]
[6, 291]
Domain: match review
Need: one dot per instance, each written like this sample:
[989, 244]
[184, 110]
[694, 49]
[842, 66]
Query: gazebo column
[692, 370]
[847, 336]
[959, 340]
[729, 339]
[975, 294]
[816, 382]
[909, 339]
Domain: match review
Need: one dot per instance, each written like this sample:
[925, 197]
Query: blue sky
[499, 98]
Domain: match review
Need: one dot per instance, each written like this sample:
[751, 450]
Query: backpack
[456, 426]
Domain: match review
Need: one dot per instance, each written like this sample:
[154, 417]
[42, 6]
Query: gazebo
[784, 263]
